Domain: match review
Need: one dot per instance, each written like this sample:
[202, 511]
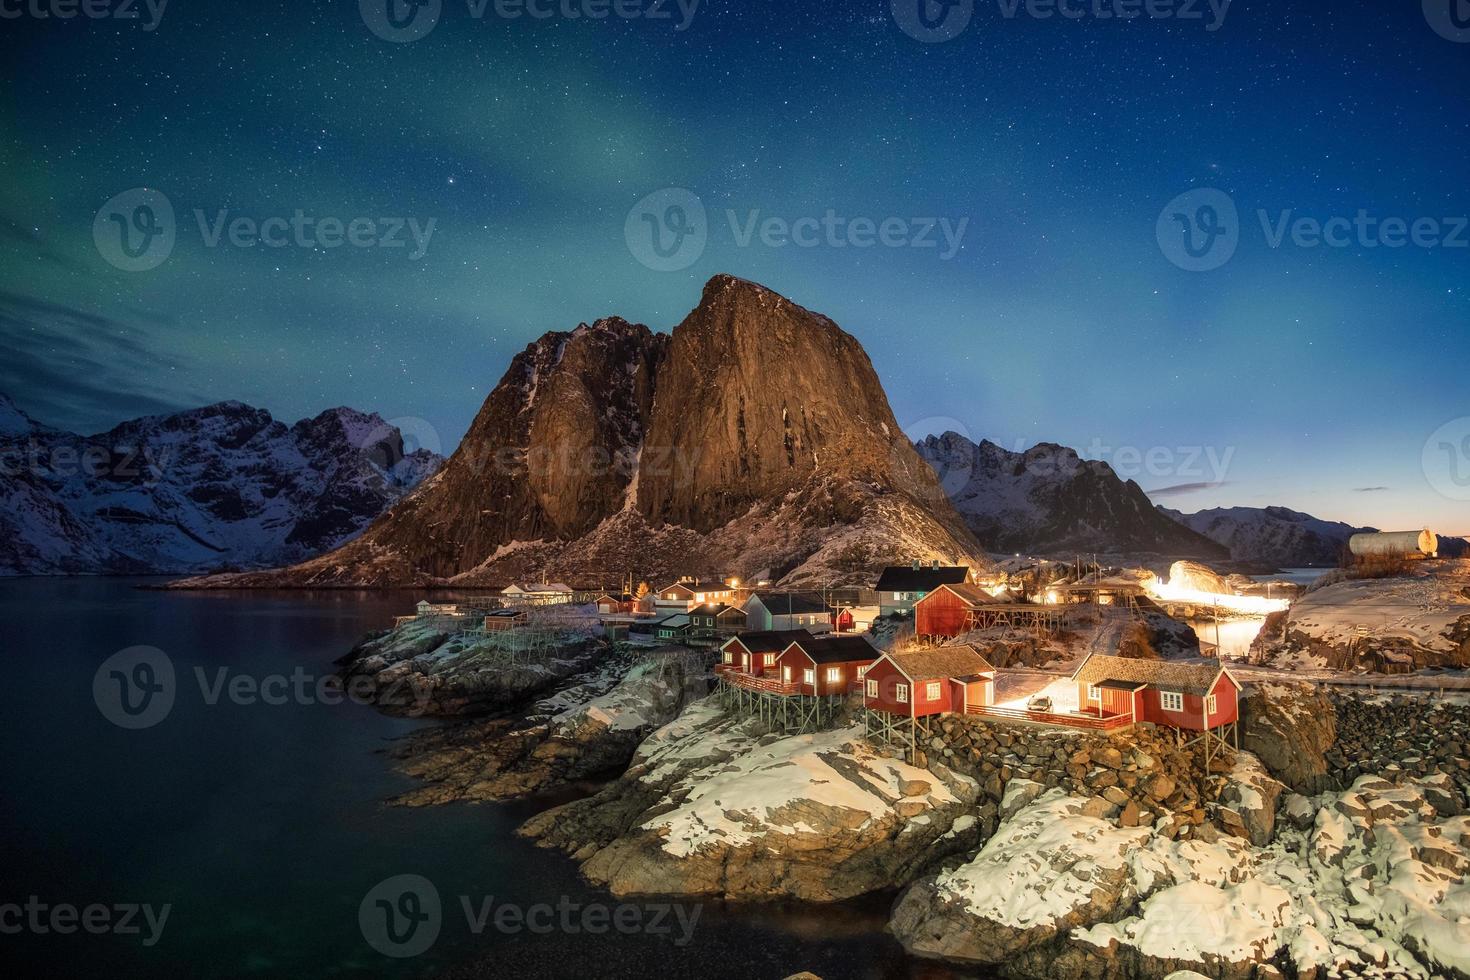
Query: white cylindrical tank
[1385, 543]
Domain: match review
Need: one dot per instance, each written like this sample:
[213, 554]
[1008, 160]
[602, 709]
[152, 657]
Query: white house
[684, 596]
[777, 611]
[537, 594]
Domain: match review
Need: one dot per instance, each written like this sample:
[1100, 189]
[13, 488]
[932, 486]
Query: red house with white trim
[756, 652]
[1196, 696]
[825, 666]
[921, 683]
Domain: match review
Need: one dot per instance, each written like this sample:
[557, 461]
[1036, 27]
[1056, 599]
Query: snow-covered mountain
[216, 487]
[1271, 535]
[1050, 501]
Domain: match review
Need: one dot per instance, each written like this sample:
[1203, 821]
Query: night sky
[1314, 377]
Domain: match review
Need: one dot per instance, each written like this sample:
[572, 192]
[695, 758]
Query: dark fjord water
[262, 826]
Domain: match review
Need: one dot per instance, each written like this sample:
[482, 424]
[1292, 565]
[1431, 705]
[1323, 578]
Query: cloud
[78, 370]
[1369, 489]
[1181, 489]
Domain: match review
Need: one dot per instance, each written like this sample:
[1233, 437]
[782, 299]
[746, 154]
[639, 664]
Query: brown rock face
[756, 439]
[758, 397]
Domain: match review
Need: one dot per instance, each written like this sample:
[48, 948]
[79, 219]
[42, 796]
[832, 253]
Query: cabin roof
[768, 641]
[972, 594]
[926, 578]
[1187, 676]
[790, 603]
[538, 587]
[957, 661]
[710, 609]
[836, 649]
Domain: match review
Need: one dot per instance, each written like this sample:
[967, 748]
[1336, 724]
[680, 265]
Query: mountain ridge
[216, 486]
[754, 438]
[1050, 501]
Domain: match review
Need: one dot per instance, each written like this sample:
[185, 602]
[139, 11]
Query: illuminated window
[834, 675]
[863, 670]
[931, 691]
[1172, 700]
[809, 676]
[901, 693]
[729, 658]
[769, 659]
[872, 689]
[1094, 693]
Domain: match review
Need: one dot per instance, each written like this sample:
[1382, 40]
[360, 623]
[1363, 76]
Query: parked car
[1039, 703]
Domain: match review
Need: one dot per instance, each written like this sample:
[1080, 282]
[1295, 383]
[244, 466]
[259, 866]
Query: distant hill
[1050, 501]
[1271, 535]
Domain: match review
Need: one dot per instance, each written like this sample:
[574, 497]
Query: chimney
[916, 564]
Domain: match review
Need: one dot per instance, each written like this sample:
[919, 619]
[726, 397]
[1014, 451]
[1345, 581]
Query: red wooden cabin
[825, 666]
[1194, 695]
[754, 653]
[945, 611]
[937, 681]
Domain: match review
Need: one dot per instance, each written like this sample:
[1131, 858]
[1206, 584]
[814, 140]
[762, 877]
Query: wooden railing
[766, 685]
[1051, 718]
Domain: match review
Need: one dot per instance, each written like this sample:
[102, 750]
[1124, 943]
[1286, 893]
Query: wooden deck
[1091, 723]
[762, 685]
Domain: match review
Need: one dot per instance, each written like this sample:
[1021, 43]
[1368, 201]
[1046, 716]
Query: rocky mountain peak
[748, 440]
[1048, 500]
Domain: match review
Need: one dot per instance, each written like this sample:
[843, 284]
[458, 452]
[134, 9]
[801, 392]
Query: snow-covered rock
[216, 487]
[1375, 887]
[1394, 625]
[590, 727]
[711, 806]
